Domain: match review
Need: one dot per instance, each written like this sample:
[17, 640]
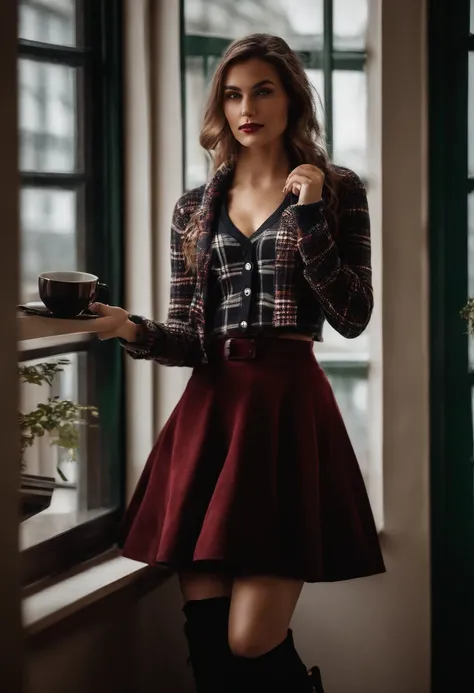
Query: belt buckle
[240, 349]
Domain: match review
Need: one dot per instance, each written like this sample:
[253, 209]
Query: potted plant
[57, 419]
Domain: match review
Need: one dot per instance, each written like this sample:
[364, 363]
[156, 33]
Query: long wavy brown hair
[304, 140]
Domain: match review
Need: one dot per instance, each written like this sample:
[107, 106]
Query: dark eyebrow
[255, 86]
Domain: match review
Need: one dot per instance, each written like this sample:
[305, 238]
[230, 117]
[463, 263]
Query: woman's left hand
[306, 181]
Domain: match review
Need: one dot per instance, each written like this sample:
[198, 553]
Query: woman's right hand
[113, 322]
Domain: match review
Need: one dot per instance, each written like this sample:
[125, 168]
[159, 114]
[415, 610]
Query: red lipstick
[250, 128]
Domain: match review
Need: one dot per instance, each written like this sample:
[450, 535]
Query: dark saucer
[38, 308]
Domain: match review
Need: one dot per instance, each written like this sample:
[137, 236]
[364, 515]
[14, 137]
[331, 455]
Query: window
[329, 36]
[70, 143]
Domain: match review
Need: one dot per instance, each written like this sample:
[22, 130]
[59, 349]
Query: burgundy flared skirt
[254, 473]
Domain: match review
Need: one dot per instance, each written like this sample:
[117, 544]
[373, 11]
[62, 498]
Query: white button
[243, 325]
[247, 292]
[248, 265]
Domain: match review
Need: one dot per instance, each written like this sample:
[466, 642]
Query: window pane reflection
[335, 343]
[48, 110]
[471, 115]
[350, 120]
[48, 224]
[196, 91]
[300, 22]
[316, 78]
[351, 390]
[78, 496]
[350, 24]
[49, 21]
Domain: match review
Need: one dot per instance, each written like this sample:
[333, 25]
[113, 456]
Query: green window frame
[451, 377]
[98, 179]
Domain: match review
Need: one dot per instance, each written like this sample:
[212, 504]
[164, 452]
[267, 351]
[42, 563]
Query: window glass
[350, 387]
[50, 21]
[350, 24]
[48, 117]
[337, 345]
[82, 476]
[196, 92]
[350, 120]
[316, 77]
[471, 115]
[49, 235]
[300, 22]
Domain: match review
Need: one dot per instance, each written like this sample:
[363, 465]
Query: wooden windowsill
[36, 332]
[85, 586]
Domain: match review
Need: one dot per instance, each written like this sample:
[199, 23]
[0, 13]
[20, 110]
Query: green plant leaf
[60, 418]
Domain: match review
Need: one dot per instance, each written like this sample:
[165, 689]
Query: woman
[252, 488]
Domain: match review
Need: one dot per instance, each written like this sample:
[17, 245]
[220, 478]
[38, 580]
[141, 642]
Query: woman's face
[255, 103]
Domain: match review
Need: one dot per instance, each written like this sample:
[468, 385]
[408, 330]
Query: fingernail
[93, 306]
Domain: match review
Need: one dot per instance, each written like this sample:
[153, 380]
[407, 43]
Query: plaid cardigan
[337, 267]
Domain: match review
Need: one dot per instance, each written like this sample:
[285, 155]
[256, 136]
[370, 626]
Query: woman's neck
[260, 168]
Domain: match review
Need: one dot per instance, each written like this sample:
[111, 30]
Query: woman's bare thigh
[205, 585]
[260, 613]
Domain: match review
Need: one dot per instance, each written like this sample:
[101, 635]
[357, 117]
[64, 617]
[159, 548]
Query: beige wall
[10, 632]
[371, 635]
[153, 184]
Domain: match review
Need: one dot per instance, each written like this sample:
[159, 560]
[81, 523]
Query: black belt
[248, 349]
[240, 349]
[233, 349]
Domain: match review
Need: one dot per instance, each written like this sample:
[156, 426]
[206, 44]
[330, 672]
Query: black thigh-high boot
[280, 670]
[206, 630]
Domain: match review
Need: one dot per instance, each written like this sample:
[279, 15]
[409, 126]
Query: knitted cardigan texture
[336, 264]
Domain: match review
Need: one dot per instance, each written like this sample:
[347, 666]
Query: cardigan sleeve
[174, 342]
[338, 269]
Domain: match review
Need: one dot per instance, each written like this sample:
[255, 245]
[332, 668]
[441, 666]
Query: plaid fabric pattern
[318, 271]
[241, 279]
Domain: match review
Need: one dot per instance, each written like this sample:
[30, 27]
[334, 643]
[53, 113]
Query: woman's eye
[233, 95]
